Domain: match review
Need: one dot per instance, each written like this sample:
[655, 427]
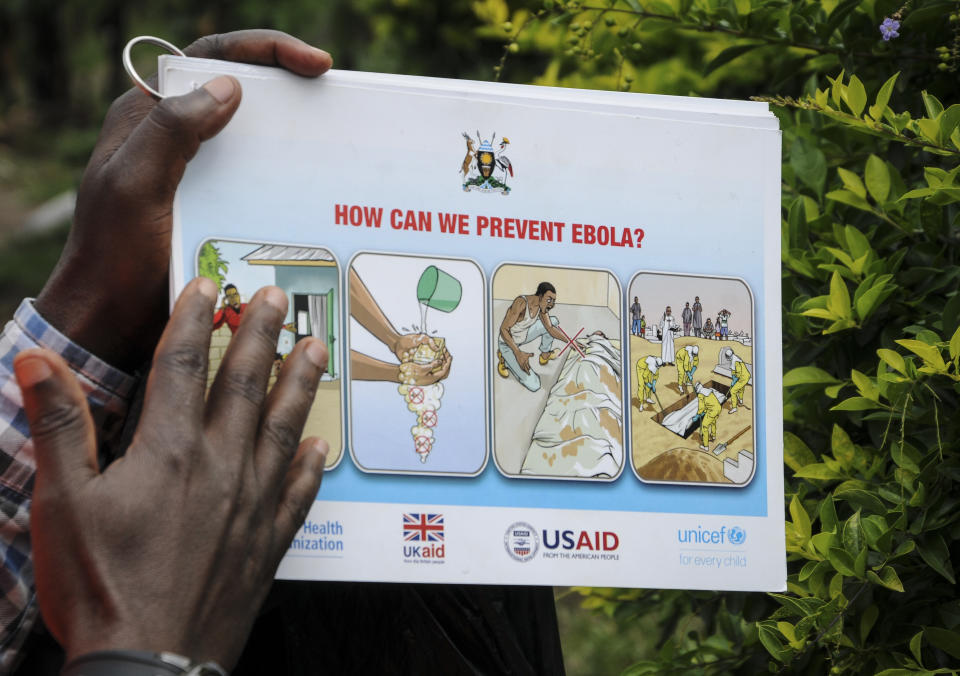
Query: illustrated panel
[691, 357]
[417, 364]
[557, 393]
[310, 276]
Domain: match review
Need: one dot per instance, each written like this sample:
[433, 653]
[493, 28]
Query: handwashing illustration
[421, 296]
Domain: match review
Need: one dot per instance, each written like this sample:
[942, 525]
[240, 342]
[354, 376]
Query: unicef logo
[521, 541]
[737, 535]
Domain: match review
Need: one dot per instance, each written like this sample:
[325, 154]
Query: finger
[264, 47]
[238, 392]
[61, 427]
[287, 408]
[157, 150]
[178, 376]
[300, 487]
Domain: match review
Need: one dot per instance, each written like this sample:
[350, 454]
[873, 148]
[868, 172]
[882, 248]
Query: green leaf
[819, 471]
[887, 578]
[850, 199]
[852, 182]
[915, 647]
[903, 459]
[874, 527]
[843, 448]
[893, 359]
[867, 301]
[856, 404]
[807, 375]
[935, 553]
[828, 515]
[865, 385]
[949, 121]
[728, 55]
[841, 561]
[801, 520]
[824, 542]
[861, 498]
[929, 353]
[770, 638]
[810, 164]
[855, 95]
[878, 178]
[883, 96]
[796, 454]
[947, 641]
[932, 104]
[853, 540]
[955, 344]
[839, 300]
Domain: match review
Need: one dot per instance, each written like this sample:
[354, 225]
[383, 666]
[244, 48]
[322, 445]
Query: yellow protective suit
[709, 406]
[644, 376]
[741, 376]
[685, 364]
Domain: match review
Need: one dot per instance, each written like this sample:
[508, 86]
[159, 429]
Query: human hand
[109, 291]
[523, 358]
[412, 373]
[405, 346]
[174, 546]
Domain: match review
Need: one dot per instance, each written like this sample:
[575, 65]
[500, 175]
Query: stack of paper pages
[553, 318]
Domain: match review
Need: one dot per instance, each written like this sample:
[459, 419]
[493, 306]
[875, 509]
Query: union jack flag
[423, 527]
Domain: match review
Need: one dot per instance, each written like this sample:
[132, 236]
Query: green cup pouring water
[439, 290]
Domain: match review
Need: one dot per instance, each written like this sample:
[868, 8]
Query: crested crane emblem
[486, 167]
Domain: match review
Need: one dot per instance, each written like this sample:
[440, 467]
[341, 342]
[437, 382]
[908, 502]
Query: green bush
[870, 304]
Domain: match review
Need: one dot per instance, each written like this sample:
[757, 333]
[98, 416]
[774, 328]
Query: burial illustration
[414, 407]
[311, 279]
[691, 383]
[557, 405]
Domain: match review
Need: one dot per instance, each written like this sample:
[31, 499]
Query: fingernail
[317, 353]
[207, 288]
[323, 53]
[275, 297]
[321, 447]
[221, 88]
[31, 370]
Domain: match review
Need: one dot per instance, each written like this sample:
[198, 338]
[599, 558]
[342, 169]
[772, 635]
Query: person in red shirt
[231, 311]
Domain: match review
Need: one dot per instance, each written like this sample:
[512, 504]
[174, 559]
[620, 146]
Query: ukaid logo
[584, 544]
[423, 538]
[521, 541]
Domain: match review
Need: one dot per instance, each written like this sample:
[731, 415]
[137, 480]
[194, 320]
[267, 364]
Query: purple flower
[889, 28]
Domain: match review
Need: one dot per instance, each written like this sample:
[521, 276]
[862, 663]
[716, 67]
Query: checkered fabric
[108, 391]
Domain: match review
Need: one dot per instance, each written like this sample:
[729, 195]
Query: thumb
[60, 423]
[170, 135]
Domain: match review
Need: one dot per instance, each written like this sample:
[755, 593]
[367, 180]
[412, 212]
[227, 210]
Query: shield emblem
[486, 160]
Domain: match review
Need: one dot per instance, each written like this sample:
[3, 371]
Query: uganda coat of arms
[486, 168]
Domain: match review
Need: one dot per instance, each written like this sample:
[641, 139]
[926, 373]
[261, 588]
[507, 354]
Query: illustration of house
[310, 278]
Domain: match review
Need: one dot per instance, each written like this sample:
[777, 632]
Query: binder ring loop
[128, 64]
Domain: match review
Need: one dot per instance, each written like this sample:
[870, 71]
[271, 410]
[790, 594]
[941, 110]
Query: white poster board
[500, 221]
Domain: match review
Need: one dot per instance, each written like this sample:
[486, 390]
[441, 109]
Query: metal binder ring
[128, 64]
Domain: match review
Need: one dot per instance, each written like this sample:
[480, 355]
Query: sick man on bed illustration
[526, 320]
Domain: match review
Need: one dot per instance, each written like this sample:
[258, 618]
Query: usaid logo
[521, 541]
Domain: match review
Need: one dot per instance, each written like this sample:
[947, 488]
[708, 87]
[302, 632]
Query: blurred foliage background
[870, 269]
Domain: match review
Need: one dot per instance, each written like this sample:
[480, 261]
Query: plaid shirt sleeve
[108, 391]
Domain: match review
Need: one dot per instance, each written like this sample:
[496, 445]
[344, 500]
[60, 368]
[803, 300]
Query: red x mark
[570, 342]
[416, 395]
[429, 418]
